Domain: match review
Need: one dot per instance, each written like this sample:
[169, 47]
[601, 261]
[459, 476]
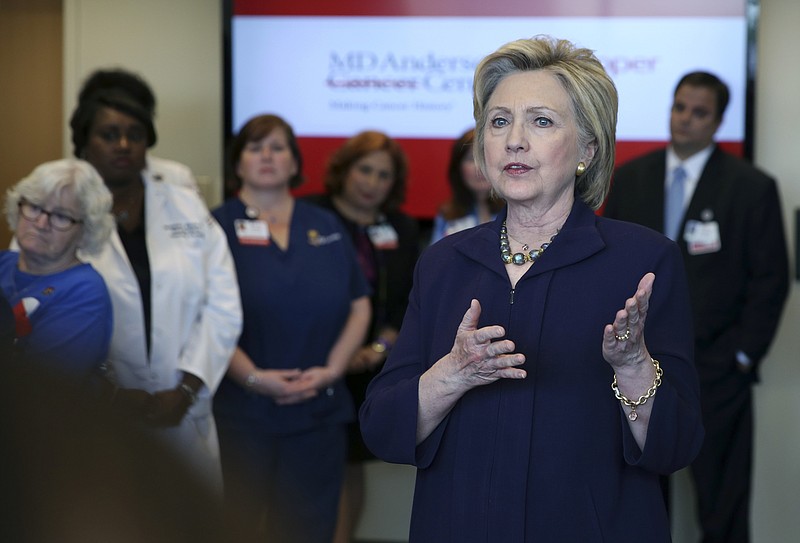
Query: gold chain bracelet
[633, 415]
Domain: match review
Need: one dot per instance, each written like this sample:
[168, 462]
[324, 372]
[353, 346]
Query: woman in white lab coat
[177, 311]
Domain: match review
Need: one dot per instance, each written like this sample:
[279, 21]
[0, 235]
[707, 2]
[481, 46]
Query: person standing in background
[365, 185]
[472, 201]
[62, 310]
[138, 90]
[283, 407]
[177, 311]
[726, 217]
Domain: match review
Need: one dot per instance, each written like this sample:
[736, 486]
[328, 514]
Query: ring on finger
[623, 337]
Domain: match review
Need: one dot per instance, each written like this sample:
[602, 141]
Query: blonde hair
[591, 91]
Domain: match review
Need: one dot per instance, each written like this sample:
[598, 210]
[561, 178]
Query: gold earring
[579, 171]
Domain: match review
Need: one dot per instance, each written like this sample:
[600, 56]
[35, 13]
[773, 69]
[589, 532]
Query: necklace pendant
[633, 415]
[519, 259]
[522, 258]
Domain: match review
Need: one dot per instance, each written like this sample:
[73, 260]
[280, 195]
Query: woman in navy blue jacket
[521, 385]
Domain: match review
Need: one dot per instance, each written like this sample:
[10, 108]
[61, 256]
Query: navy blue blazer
[550, 457]
[737, 292]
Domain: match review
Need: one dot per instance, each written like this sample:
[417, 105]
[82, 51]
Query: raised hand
[623, 340]
[476, 359]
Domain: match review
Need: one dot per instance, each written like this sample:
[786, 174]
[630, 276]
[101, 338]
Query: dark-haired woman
[365, 185]
[283, 408]
[471, 202]
[177, 311]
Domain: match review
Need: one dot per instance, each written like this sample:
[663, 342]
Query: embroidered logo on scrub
[315, 239]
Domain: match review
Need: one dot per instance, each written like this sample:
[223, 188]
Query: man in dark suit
[728, 224]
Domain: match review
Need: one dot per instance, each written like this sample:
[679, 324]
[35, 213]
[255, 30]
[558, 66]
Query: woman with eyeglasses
[62, 310]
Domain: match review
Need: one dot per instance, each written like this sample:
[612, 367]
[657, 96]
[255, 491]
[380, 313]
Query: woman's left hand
[623, 340]
[365, 359]
[319, 377]
[307, 385]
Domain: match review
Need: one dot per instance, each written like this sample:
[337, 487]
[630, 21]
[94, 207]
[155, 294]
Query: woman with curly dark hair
[366, 184]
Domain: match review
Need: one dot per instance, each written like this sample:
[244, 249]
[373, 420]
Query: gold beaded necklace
[520, 258]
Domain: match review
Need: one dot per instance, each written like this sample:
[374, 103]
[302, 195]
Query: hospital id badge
[252, 232]
[457, 225]
[702, 237]
[383, 236]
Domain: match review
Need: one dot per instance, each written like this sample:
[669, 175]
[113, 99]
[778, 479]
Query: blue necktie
[673, 213]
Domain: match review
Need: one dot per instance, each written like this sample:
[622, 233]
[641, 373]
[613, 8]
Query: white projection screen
[405, 67]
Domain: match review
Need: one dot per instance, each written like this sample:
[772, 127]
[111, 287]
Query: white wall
[777, 475]
[177, 46]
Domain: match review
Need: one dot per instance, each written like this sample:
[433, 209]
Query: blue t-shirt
[63, 320]
[295, 304]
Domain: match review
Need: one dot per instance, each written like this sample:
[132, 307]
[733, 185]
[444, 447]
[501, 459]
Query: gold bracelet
[633, 415]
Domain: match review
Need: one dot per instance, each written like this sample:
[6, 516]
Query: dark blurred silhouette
[75, 472]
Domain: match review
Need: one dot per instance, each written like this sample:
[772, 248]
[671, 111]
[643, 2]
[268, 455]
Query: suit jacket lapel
[709, 187]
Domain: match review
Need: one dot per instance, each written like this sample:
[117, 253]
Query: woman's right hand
[133, 402]
[284, 386]
[476, 359]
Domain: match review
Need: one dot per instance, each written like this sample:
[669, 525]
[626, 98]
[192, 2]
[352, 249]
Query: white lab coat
[172, 172]
[196, 312]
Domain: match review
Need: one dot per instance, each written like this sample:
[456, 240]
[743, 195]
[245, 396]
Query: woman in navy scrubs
[365, 184]
[283, 408]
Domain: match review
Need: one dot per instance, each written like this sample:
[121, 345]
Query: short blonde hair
[92, 195]
[591, 91]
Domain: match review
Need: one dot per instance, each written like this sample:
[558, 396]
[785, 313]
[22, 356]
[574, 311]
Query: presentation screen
[405, 67]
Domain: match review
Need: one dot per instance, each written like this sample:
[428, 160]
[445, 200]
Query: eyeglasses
[58, 221]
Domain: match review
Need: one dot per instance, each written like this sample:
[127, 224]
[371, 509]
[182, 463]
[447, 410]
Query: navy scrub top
[295, 304]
